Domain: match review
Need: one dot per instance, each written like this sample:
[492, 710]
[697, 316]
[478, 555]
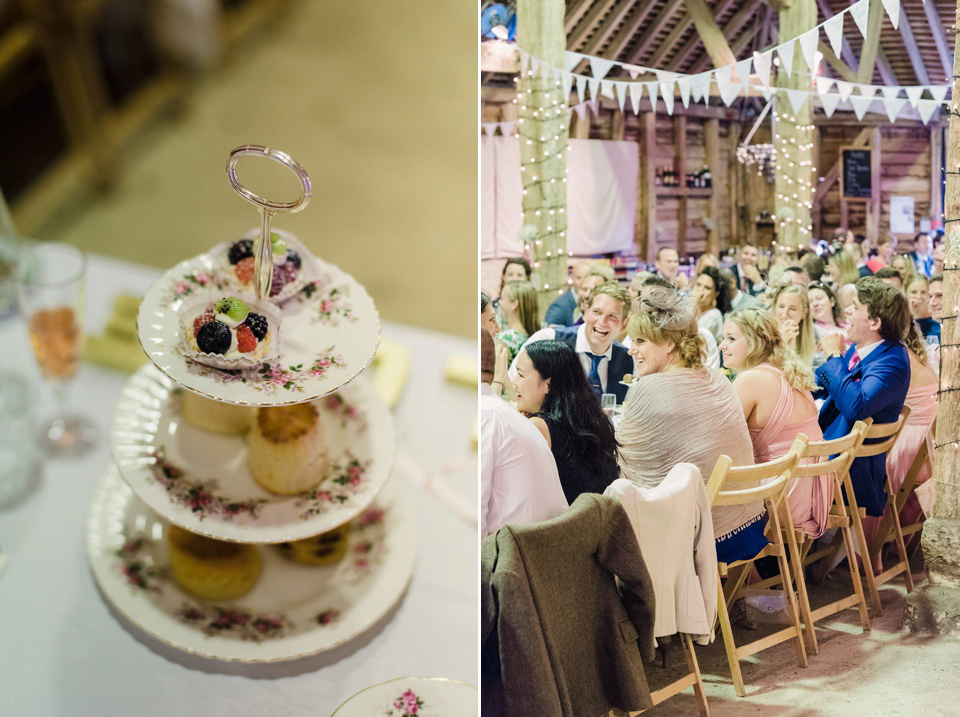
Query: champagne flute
[50, 292]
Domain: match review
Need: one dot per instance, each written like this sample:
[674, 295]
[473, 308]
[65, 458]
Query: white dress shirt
[582, 348]
[519, 482]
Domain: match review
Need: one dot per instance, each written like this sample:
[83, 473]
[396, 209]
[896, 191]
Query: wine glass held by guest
[552, 390]
[519, 306]
[678, 411]
[50, 283]
[774, 389]
[712, 296]
[791, 310]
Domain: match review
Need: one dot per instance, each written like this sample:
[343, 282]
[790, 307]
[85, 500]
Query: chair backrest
[887, 431]
[843, 450]
[740, 485]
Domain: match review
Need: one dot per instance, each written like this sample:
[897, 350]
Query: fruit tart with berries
[291, 264]
[230, 332]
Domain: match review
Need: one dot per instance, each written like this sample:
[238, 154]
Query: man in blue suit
[869, 380]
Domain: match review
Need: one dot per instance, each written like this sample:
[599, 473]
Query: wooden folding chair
[691, 679]
[888, 433]
[766, 482]
[890, 527]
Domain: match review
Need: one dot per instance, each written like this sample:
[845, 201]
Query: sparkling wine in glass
[50, 292]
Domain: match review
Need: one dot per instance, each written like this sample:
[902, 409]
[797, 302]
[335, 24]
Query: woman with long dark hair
[552, 390]
[712, 296]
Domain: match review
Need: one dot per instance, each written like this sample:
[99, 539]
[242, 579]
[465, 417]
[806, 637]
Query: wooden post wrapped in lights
[542, 129]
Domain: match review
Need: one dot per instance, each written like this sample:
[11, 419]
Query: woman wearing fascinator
[679, 411]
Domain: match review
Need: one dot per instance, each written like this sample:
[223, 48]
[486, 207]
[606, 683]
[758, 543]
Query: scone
[212, 569]
[287, 451]
[324, 549]
[216, 416]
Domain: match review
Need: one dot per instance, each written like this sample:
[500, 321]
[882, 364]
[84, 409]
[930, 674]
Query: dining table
[65, 649]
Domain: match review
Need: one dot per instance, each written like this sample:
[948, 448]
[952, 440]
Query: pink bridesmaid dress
[809, 498]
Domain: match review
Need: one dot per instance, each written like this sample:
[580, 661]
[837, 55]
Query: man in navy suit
[561, 311]
[869, 380]
[604, 359]
[746, 272]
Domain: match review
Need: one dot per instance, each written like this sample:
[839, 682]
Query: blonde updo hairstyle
[765, 346]
[662, 316]
[806, 339]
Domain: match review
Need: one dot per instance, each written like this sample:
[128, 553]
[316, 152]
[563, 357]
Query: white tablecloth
[65, 651]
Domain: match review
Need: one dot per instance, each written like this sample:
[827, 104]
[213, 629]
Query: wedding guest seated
[886, 245]
[905, 268]
[712, 296]
[826, 312]
[738, 299]
[488, 315]
[922, 399]
[774, 389]
[667, 264]
[678, 411]
[604, 359]
[814, 267]
[869, 380]
[791, 310]
[746, 271]
[551, 389]
[889, 275]
[918, 294]
[921, 257]
[518, 475]
[518, 305]
[936, 313]
[516, 268]
[842, 269]
[590, 282]
[704, 260]
[560, 312]
[796, 275]
[938, 252]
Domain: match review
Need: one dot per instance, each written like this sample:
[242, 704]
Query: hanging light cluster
[541, 129]
[762, 157]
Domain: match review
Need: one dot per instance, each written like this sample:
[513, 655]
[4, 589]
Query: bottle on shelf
[658, 177]
[707, 178]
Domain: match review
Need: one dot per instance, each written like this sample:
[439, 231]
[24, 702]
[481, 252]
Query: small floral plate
[200, 480]
[413, 697]
[293, 611]
[330, 333]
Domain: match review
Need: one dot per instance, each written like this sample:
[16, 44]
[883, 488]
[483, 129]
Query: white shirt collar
[865, 351]
[486, 389]
[583, 347]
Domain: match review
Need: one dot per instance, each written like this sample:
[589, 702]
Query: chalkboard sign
[856, 173]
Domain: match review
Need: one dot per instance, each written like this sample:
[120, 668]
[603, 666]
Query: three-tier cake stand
[167, 471]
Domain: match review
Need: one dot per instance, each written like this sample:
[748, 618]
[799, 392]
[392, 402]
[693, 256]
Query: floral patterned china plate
[294, 610]
[413, 697]
[328, 335]
[200, 480]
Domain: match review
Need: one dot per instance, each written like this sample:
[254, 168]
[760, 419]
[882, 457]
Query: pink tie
[854, 360]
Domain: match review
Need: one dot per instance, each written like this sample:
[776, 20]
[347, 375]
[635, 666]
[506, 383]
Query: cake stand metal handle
[262, 251]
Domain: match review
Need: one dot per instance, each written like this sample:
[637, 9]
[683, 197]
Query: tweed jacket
[558, 639]
[674, 528]
[876, 387]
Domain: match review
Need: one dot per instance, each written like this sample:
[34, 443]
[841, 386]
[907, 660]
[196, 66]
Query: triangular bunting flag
[652, 89]
[808, 46]
[534, 65]
[621, 88]
[893, 10]
[594, 106]
[707, 83]
[867, 90]
[633, 70]
[939, 92]
[581, 86]
[729, 90]
[844, 88]
[684, 86]
[636, 92]
[860, 11]
[484, 128]
[699, 85]
[833, 29]
[926, 108]
[761, 63]
[797, 98]
[581, 110]
[567, 85]
[824, 84]
[606, 89]
[666, 91]
[893, 107]
[571, 60]
[786, 56]
[594, 86]
[913, 94]
[829, 102]
[600, 67]
[890, 92]
[743, 70]
[860, 105]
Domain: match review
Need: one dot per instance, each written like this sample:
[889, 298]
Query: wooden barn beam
[636, 18]
[913, 52]
[839, 66]
[604, 32]
[655, 28]
[574, 14]
[646, 223]
[732, 27]
[936, 29]
[669, 44]
[578, 37]
[846, 54]
[714, 41]
[871, 43]
[690, 45]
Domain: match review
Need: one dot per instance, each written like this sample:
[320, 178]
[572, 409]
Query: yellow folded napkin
[462, 369]
[119, 346]
[391, 368]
